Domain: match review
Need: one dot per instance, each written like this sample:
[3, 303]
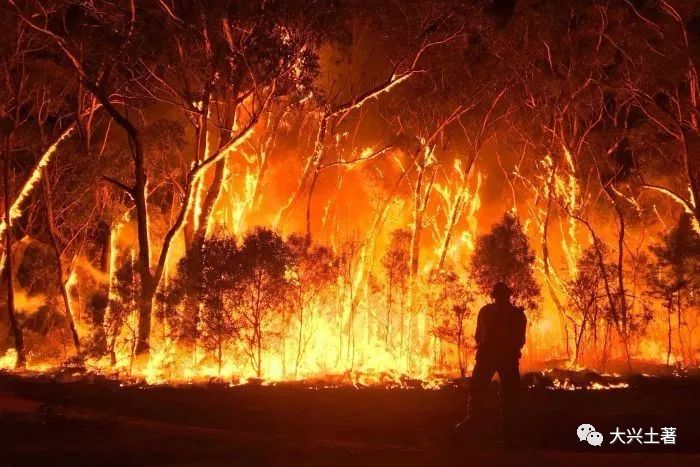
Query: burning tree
[673, 279]
[396, 262]
[124, 289]
[504, 255]
[199, 302]
[219, 295]
[450, 304]
[311, 271]
[266, 64]
[264, 258]
[587, 305]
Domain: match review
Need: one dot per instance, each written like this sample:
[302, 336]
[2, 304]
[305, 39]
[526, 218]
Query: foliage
[199, 302]
[450, 304]
[264, 257]
[673, 278]
[311, 269]
[675, 269]
[588, 307]
[504, 255]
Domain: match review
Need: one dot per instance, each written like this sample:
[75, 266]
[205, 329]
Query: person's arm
[478, 335]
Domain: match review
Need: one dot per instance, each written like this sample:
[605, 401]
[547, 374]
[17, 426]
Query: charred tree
[7, 127]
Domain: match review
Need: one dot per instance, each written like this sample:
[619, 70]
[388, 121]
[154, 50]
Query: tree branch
[120, 185]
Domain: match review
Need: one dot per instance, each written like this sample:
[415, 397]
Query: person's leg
[509, 373]
[478, 388]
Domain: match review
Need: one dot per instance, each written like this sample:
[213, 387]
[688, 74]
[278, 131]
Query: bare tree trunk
[69, 314]
[99, 311]
[312, 188]
[273, 126]
[389, 307]
[106, 251]
[299, 342]
[582, 330]
[606, 342]
[417, 225]
[60, 272]
[612, 306]
[219, 354]
[620, 270]
[454, 217]
[147, 287]
[200, 136]
[29, 183]
[258, 345]
[421, 198]
[668, 340]
[14, 326]
[310, 170]
[317, 159]
[547, 265]
[139, 193]
[679, 316]
[209, 203]
[548, 279]
[624, 312]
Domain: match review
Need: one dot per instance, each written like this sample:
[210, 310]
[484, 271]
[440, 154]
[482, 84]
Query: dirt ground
[48, 422]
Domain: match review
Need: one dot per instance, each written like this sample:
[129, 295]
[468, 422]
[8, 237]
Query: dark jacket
[500, 331]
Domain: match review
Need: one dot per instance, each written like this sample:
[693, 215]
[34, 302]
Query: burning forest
[282, 190]
[281, 231]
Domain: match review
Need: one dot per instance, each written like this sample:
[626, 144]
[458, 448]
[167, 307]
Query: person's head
[501, 292]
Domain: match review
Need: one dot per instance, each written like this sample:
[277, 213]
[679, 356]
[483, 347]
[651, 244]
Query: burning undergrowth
[572, 380]
[556, 379]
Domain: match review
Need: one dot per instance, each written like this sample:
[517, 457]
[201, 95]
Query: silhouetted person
[500, 335]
